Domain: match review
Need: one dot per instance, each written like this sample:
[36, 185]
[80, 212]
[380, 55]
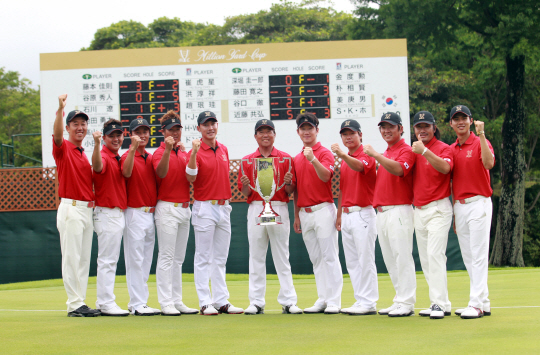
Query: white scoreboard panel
[240, 84]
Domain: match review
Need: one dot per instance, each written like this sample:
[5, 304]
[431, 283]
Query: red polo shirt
[109, 183]
[357, 187]
[212, 181]
[280, 195]
[174, 187]
[429, 184]
[74, 172]
[391, 189]
[469, 177]
[312, 190]
[141, 186]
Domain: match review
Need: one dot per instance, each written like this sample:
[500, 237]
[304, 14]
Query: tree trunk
[508, 244]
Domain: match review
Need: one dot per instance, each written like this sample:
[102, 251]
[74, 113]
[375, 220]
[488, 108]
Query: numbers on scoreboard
[294, 94]
[149, 100]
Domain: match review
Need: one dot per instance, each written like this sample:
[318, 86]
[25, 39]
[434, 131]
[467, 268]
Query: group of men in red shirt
[139, 193]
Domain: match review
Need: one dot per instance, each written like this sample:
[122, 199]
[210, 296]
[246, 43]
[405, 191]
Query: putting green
[31, 321]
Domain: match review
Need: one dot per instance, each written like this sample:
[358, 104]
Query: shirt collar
[357, 152]
[469, 140]
[108, 152]
[397, 145]
[431, 142]
[315, 147]
[272, 154]
[73, 146]
[137, 154]
[206, 146]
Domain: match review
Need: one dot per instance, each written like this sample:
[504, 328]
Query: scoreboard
[150, 100]
[241, 84]
[291, 95]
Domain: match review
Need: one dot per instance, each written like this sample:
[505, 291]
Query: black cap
[307, 119]
[391, 117]
[264, 123]
[423, 117]
[353, 125]
[168, 124]
[205, 116]
[138, 122]
[458, 109]
[111, 127]
[76, 113]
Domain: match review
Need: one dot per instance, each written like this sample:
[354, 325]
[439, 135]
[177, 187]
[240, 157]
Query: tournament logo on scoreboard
[188, 71]
[338, 66]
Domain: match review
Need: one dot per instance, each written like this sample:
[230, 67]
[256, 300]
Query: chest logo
[224, 157]
[469, 154]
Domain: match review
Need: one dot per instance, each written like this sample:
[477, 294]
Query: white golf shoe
[315, 309]
[471, 313]
[331, 310]
[144, 310]
[169, 310]
[208, 310]
[230, 309]
[254, 309]
[114, 311]
[182, 308]
[385, 311]
[292, 309]
[359, 311]
[401, 311]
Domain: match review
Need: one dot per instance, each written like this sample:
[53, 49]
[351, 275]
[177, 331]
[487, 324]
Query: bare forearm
[289, 189]
[58, 129]
[353, 163]
[339, 209]
[437, 163]
[487, 157]
[128, 164]
[97, 163]
[163, 165]
[323, 173]
[296, 208]
[392, 166]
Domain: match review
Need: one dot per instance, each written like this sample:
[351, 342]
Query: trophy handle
[242, 169]
[283, 160]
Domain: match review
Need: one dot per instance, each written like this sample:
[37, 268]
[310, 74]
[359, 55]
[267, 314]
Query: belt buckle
[419, 207]
[176, 204]
[308, 209]
[380, 209]
[90, 204]
[74, 203]
[213, 202]
[462, 201]
[152, 209]
[185, 204]
[346, 209]
[221, 202]
[146, 209]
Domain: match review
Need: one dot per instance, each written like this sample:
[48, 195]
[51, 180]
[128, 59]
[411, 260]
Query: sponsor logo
[338, 66]
[264, 121]
[236, 70]
[387, 116]
[347, 123]
[184, 56]
[422, 116]
[458, 108]
[469, 154]
[87, 76]
[224, 157]
[188, 71]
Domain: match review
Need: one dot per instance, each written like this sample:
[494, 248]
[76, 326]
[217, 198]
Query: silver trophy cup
[266, 175]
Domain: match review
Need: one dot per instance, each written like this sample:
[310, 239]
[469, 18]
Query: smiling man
[356, 218]
[277, 235]
[393, 198]
[208, 170]
[473, 158]
[74, 217]
[315, 214]
[432, 209]
[140, 235]
[109, 220]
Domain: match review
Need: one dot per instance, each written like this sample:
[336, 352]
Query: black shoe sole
[83, 315]
[362, 314]
[487, 313]
[144, 314]
[471, 317]
[188, 314]
[383, 314]
[401, 315]
[436, 317]
[313, 312]
[114, 315]
[171, 315]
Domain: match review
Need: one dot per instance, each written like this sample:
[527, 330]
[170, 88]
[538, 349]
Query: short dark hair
[309, 115]
[112, 121]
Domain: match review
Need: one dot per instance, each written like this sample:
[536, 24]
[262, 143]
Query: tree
[20, 113]
[506, 29]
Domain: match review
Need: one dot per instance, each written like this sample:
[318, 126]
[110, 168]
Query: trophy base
[268, 220]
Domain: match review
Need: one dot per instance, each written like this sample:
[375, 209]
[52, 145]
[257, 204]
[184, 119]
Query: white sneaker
[292, 309]
[254, 309]
[208, 310]
[331, 310]
[315, 309]
[360, 311]
[401, 311]
[472, 313]
[169, 310]
[230, 309]
[182, 308]
[114, 311]
[144, 311]
[385, 311]
[457, 312]
[425, 312]
[436, 312]
[157, 312]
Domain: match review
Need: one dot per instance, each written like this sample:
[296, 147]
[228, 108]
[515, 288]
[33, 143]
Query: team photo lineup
[424, 190]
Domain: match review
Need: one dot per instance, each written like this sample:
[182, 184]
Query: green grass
[508, 330]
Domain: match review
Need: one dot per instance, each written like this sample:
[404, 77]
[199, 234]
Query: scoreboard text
[294, 94]
[149, 100]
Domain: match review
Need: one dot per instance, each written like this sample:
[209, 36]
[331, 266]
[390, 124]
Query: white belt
[354, 209]
[431, 204]
[217, 202]
[273, 203]
[314, 208]
[175, 204]
[144, 209]
[386, 208]
[88, 204]
[99, 208]
[470, 199]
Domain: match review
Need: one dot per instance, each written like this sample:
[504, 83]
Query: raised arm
[353, 163]
[130, 159]
[487, 156]
[97, 163]
[438, 163]
[191, 174]
[323, 173]
[163, 166]
[58, 128]
[392, 166]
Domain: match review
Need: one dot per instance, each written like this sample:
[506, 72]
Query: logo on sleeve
[406, 165]
[469, 154]
[331, 167]
[365, 162]
[447, 159]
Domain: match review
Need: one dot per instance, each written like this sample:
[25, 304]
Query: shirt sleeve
[406, 159]
[369, 163]
[448, 156]
[327, 160]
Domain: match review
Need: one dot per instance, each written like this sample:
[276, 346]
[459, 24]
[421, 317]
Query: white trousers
[395, 228]
[172, 224]
[212, 227]
[74, 224]
[139, 239]
[321, 239]
[432, 225]
[109, 226]
[359, 233]
[473, 224]
[278, 236]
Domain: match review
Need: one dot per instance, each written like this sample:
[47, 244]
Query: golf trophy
[266, 174]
